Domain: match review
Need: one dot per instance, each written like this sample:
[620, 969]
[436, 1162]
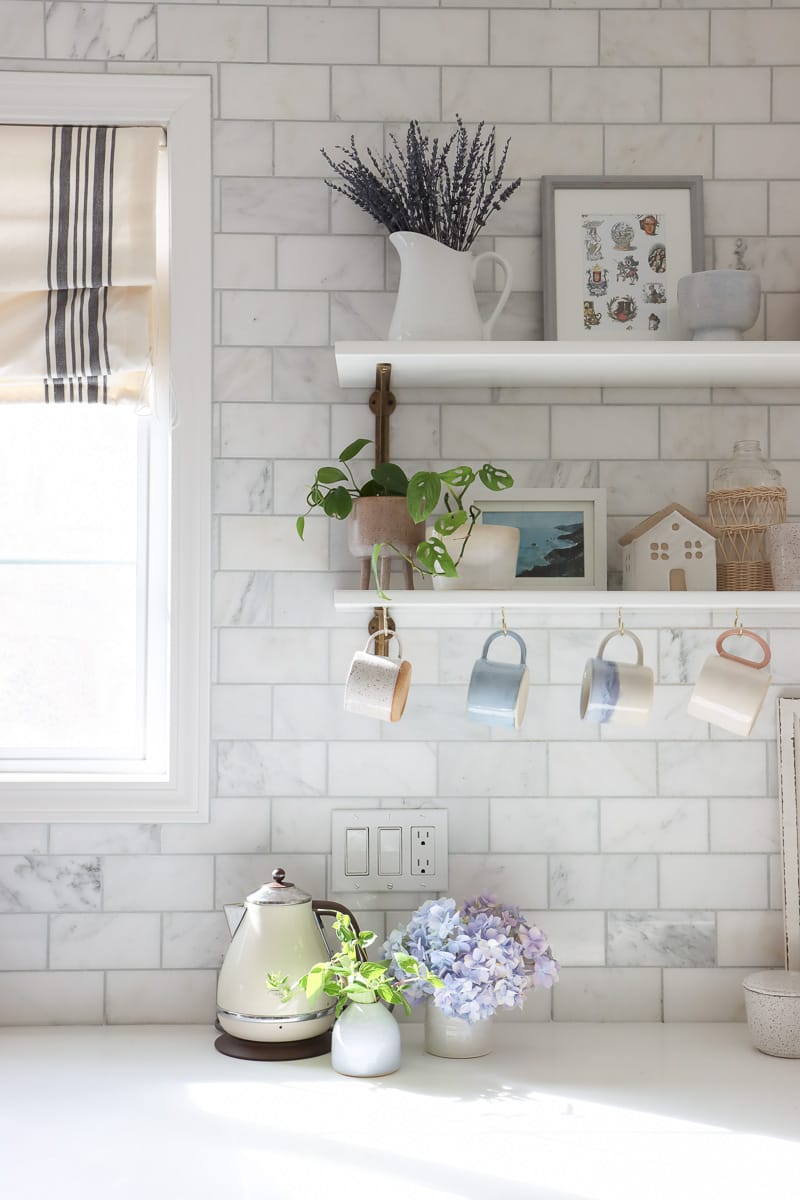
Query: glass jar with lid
[746, 497]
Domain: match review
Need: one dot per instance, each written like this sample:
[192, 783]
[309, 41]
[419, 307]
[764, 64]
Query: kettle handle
[327, 908]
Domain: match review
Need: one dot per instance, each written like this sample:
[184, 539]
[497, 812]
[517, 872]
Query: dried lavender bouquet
[445, 190]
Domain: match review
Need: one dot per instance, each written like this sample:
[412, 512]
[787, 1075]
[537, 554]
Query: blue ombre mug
[498, 691]
[616, 692]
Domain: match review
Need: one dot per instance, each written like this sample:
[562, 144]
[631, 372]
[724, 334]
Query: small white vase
[719, 305]
[450, 1037]
[489, 562]
[365, 1041]
[436, 296]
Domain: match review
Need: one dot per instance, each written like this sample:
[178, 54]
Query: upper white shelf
[571, 364]
[572, 599]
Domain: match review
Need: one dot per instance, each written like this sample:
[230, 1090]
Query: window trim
[182, 105]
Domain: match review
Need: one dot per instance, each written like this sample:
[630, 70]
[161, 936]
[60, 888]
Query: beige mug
[730, 690]
[377, 686]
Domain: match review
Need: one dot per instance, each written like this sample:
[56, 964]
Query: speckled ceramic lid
[773, 983]
[280, 891]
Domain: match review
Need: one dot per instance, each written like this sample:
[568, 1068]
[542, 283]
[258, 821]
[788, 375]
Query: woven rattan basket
[740, 517]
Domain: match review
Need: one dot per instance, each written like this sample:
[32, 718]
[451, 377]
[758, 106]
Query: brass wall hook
[620, 623]
[382, 403]
[381, 624]
[503, 625]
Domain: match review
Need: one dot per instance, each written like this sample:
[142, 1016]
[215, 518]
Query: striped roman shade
[77, 261]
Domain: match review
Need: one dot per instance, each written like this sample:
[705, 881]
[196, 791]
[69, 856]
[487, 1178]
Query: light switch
[389, 854]
[356, 860]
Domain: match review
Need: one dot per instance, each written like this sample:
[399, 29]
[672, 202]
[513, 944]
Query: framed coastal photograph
[562, 535]
[613, 250]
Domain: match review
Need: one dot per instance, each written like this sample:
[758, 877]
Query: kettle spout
[234, 914]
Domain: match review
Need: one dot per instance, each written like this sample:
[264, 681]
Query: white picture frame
[788, 759]
[549, 556]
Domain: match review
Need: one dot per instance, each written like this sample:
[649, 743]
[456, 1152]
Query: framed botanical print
[562, 535]
[614, 248]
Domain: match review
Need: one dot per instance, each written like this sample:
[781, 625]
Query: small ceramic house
[672, 551]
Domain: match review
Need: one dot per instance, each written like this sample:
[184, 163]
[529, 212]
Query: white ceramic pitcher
[436, 297]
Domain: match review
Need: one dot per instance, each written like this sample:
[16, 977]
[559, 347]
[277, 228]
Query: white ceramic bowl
[719, 305]
[772, 1001]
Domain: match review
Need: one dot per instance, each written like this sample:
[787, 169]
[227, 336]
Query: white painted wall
[650, 859]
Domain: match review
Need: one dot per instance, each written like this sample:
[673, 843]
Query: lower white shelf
[572, 599]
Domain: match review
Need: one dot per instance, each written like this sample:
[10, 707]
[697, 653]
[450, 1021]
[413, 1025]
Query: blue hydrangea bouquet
[485, 953]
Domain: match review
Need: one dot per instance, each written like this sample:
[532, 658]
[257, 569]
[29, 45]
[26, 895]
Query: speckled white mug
[377, 686]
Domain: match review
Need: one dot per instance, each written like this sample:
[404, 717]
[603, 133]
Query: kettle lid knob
[279, 879]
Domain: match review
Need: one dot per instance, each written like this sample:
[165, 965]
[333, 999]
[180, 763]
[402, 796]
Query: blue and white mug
[617, 693]
[498, 691]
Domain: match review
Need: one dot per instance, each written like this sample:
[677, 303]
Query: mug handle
[523, 650]
[746, 662]
[387, 633]
[628, 633]
[498, 308]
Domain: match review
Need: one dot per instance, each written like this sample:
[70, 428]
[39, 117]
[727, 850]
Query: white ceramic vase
[719, 305]
[450, 1037]
[489, 562]
[436, 296]
[365, 1041]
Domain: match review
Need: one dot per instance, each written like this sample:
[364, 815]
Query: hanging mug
[617, 693]
[377, 686]
[498, 691]
[730, 690]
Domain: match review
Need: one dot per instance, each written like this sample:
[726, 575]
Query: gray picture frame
[552, 184]
[519, 504]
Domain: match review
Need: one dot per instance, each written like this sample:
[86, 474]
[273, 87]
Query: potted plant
[434, 198]
[366, 1037]
[387, 517]
[486, 955]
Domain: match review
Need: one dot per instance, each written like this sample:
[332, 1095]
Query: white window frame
[182, 106]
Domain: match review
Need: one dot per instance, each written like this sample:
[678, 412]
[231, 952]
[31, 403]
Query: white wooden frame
[181, 105]
[591, 502]
[788, 761]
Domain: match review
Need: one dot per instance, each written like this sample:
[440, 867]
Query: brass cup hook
[620, 623]
[503, 625]
[737, 624]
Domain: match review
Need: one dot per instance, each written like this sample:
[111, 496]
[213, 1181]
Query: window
[104, 563]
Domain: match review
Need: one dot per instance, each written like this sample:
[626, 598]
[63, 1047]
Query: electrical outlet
[389, 850]
[423, 850]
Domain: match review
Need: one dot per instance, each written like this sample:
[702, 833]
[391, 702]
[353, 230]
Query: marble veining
[30, 883]
[123, 32]
[661, 939]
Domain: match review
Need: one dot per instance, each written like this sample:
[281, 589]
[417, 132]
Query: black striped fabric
[79, 263]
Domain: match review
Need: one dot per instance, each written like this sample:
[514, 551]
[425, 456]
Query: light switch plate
[420, 865]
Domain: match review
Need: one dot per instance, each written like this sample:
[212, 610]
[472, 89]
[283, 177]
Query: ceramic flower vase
[489, 561]
[450, 1037]
[365, 1041]
[436, 297]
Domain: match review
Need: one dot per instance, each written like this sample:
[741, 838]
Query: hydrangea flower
[485, 953]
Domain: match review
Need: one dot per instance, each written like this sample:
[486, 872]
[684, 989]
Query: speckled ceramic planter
[772, 1002]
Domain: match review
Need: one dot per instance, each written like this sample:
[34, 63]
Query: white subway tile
[308, 372]
[161, 997]
[648, 39]
[236, 824]
[527, 825]
[776, 259]
[547, 39]
[378, 769]
[23, 838]
[87, 838]
[240, 711]
[274, 318]
[318, 35]
[553, 712]
[23, 942]
[382, 93]
[242, 148]
[204, 33]
[331, 262]
[148, 883]
[771, 38]
[244, 260]
[494, 433]
[438, 714]
[737, 208]
[274, 93]
[52, 883]
[712, 769]
[102, 32]
[21, 29]
[298, 144]
[299, 821]
[578, 939]
[415, 433]
[104, 941]
[713, 881]
[757, 152]
[782, 319]
[608, 994]
[593, 94]
[653, 825]
[317, 712]
[661, 939]
[270, 768]
[703, 433]
[591, 881]
[242, 598]
[51, 998]
[652, 148]
[195, 939]
[668, 721]
[467, 823]
[605, 431]
[501, 769]
[243, 374]
[274, 430]
[719, 94]
[785, 95]
[272, 544]
[242, 485]
[785, 665]
[361, 316]
[273, 656]
[634, 488]
[496, 93]
[600, 769]
[512, 878]
[274, 206]
[437, 37]
[551, 150]
[703, 994]
[750, 939]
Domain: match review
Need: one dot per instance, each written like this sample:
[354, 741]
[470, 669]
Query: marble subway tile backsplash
[651, 856]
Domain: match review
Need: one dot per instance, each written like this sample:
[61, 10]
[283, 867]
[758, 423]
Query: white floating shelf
[571, 364]
[572, 600]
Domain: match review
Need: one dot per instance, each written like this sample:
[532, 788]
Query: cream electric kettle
[276, 931]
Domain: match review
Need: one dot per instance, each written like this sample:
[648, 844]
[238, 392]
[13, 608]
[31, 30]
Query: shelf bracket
[382, 403]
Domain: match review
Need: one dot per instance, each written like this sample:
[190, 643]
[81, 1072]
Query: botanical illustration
[624, 265]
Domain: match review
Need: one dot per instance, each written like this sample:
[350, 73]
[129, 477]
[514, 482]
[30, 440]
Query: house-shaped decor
[672, 551]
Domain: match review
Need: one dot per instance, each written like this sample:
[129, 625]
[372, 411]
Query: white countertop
[557, 1111]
